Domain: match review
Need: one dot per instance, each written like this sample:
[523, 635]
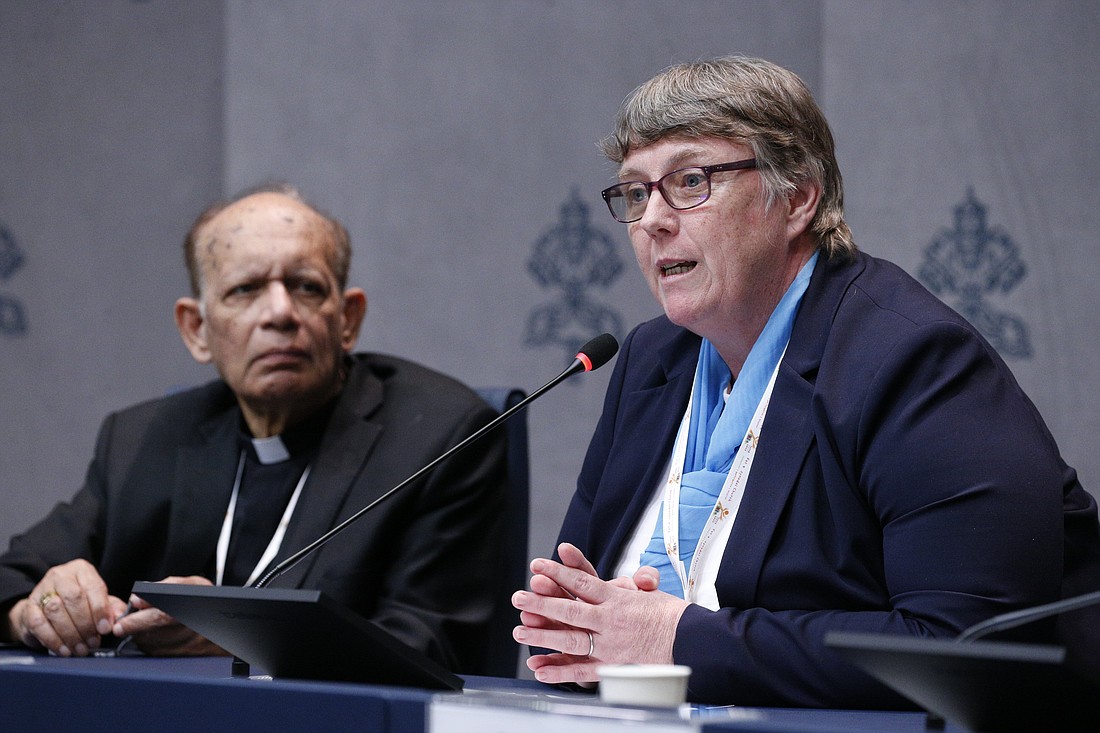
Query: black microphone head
[598, 351]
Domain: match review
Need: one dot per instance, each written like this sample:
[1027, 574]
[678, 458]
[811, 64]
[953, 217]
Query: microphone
[593, 355]
[1012, 619]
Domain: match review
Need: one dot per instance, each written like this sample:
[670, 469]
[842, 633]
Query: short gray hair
[753, 102]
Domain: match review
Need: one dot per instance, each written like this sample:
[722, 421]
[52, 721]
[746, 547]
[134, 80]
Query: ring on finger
[591, 645]
[45, 598]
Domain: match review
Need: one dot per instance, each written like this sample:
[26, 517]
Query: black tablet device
[299, 634]
[981, 685]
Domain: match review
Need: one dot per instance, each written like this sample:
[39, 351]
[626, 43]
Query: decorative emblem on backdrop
[573, 257]
[969, 263]
[13, 321]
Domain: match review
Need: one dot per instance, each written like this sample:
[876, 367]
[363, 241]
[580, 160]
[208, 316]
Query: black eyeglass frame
[736, 165]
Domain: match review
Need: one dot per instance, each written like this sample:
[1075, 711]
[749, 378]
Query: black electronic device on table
[299, 634]
[994, 686]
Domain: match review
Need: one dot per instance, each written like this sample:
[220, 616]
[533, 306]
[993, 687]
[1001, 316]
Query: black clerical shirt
[267, 482]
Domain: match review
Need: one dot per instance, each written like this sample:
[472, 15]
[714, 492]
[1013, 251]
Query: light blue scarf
[717, 427]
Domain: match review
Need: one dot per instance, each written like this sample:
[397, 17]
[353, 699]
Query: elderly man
[218, 483]
[806, 441]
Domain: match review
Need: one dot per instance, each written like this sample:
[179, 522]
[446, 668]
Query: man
[217, 483]
[806, 441]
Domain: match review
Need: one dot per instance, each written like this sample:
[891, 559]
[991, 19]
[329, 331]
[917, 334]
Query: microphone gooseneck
[1012, 619]
[594, 354]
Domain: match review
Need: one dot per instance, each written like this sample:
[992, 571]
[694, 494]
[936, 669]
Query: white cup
[648, 685]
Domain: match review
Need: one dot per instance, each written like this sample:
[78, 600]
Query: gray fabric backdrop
[456, 140]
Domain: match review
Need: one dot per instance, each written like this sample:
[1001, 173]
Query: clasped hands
[590, 621]
[70, 611]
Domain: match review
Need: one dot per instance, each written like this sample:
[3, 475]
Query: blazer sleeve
[437, 583]
[941, 492]
[629, 446]
[576, 527]
[72, 530]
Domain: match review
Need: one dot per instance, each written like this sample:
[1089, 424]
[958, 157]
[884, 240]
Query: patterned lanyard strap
[729, 500]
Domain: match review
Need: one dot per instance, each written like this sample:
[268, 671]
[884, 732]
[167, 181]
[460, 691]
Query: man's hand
[591, 621]
[68, 612]
[158, 634]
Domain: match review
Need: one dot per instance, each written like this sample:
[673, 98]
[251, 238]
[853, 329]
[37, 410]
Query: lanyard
[276, 538]
[729, 500]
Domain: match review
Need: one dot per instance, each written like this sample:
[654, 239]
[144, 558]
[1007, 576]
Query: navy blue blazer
[903, 483]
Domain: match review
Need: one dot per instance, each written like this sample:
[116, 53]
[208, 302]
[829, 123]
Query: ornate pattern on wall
[13, 320]
[972, 261]
[573, 257]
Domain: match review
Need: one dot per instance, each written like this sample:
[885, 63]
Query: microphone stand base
[240, 668]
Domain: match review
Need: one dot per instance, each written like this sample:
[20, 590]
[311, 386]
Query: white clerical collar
[270, 450]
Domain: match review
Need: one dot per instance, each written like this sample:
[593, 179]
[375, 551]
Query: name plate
[475, 711]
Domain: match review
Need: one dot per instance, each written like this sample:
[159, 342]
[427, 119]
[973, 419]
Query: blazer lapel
[655, 409]
[786, 436]
[203, 477]
[343, 455]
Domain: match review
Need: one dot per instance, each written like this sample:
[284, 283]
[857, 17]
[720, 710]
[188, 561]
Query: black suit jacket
[903, 484]
[422, 564]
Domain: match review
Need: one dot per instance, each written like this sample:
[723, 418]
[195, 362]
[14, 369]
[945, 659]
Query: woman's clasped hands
[587, 621]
